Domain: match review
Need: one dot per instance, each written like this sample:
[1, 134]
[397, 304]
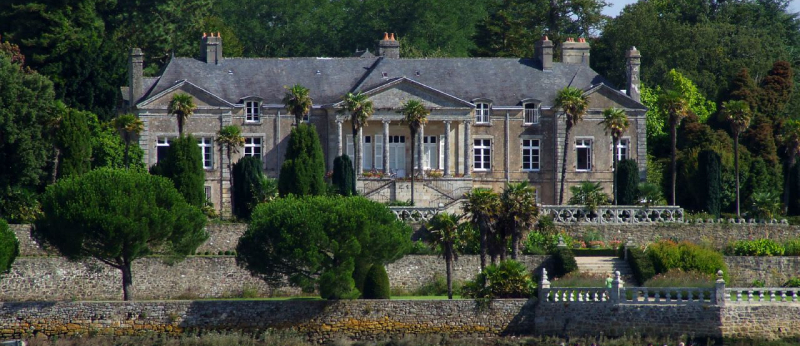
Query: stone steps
[602, 266]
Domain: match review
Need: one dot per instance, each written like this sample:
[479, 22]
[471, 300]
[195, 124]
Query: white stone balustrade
[620, 214]
[670, 295]
[414, 213]
[749, 295]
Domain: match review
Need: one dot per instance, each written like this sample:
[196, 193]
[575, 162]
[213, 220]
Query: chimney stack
[389, 47]
[544, 52]
[634, 61]
[135, 73]
[211, 48]
[575, 52]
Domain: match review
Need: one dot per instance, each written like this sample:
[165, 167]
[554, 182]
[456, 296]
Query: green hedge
[758, 247]
[641, 265]
[376, 284]
[686, 256]
[564, 262]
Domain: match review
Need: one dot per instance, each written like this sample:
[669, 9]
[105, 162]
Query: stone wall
[717, 235]
[54, 278]
[318, 320]
[761, 321]
[774, 271]
[414, 271]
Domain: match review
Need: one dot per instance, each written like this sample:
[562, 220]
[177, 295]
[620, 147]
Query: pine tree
[627, 182]
[343, 175]
[709, 171]
[303, 169]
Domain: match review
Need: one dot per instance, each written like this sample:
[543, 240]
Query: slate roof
[504, 81]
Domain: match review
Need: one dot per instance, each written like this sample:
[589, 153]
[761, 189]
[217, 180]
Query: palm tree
[298, 101]
[182, 105]
[231, 138]
[360, 108]
[519, 212]
[616, 123]
[129, 125]
[415, 115]
[677, 108]
[483, 205]
[574, 104]
[444, 232]
[790, 136]
[738, 113]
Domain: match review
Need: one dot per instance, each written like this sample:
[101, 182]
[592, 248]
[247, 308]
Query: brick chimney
[544, 52]
[211, 48]
[389, 47]
[634, 61]
[575, 52]
[135, 68]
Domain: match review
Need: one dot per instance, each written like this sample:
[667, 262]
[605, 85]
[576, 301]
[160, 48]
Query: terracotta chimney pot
[385, 36]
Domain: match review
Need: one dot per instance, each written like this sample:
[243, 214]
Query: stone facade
[761, 321]
[773, 271]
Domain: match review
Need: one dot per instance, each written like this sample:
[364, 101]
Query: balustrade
[613, 214]
[414, 213]
[773, 295]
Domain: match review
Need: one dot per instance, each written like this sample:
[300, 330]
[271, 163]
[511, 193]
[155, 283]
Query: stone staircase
[601, 266]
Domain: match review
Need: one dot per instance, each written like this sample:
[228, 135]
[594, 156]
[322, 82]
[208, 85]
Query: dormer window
[252, 111]
[481, 113]
[531, 113]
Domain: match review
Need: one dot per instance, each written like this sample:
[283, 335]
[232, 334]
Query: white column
[420, 151]
[447, 148]
[467, 148]
[360, 157]
[339, 142]
[386, 146]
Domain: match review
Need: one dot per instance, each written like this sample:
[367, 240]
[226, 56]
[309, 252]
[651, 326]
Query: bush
[343, 175]
[792, 247]
[438, 287]
[303, 169]
[680, 278]
[686, 256]
[9, 247]
[627, 182]
[183, 165]
[19, 205]
[248, 186]
[759, 247]
[641, 265]
[564, 262]
[650, 195]
[507, 279]
[376, 284]
[588, 194]
[793, 282]
[541, 243]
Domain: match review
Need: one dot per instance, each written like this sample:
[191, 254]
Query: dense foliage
[564, 262]
[303, 169]
[376, 283]
[343, 175]
[118, 216]
[759, 247]
[641, 265]
[507, 279]
[709, 171]
[9, 247]
[183, 165]
[247, 177]
[685, 256]
[316, 241]
[74, 146]
[627, 182]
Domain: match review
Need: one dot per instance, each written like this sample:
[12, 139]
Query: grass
[578, 279]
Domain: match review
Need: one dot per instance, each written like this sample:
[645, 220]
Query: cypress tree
[627, 182]
[709, 171]
[74, 143]
[376, 284]
[246, 179]
[183, 165]
[303, 169]
[343, 175]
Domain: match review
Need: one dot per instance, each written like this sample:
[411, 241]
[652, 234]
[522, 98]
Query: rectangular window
[366, 155]
[622, 149]
[583, 150]
[208, 193]
[482, 154]
[397, 155]
[482, 113]
[531, 114]
[252, 112]
[162, 145]
[207, 149]
[252, 147]
[530, 155]
[430, 152]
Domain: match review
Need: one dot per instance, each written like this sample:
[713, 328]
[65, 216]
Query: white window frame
[623, 145]
[252, 111]
[482, 154]
[397, 152]
[208, 192]
[367, 153]
[482, 111]
[250, 147]
[530, 116]
[583, 143]
[533, 145]
[430, 144]
[162, 142]
[206, 145]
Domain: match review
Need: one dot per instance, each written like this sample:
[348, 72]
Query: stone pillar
[447, 148]
[386, 146]
[359, 166]
[719, 290]
[420, 151]
[616, 288]
[467, 148]
[339, 142]
[544, 287]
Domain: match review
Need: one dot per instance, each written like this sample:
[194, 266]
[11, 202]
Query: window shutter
[379, 151]
[441, 151]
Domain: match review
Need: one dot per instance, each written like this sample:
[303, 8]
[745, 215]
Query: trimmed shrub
[9, 247]
[246, 185]
[641, 265]
[343, 175]
[563, 262]
[303, 169]
[709, 171]
[507, 279]
[759, 247]
[376, 283]
[74, 144]
[627, 182]
[184, 166]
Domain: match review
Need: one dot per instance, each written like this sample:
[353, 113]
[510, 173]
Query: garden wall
[773, 271]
